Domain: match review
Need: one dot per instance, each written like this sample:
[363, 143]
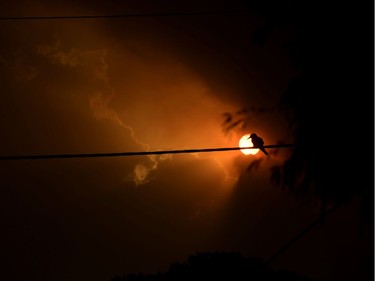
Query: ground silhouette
[218, 266]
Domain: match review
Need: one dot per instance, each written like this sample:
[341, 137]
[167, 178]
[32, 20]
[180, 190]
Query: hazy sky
[147, 83]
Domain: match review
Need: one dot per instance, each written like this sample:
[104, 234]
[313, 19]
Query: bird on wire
[258, 142]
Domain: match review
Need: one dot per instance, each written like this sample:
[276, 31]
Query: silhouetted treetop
[329, 103]
[218, 266]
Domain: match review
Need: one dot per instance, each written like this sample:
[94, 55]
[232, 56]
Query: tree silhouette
[218, 266]
[329, 103]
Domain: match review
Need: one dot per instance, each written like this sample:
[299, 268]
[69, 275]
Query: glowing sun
[245, 142]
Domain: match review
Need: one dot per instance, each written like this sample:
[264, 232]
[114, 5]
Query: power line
[133, 153]
[172, 14]
[304, 231]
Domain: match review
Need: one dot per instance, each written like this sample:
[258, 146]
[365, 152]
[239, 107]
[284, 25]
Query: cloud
[99, 102]
[155, 98]
[99, 105]
[91, 59]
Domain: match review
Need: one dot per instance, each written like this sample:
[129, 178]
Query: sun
[246, 142]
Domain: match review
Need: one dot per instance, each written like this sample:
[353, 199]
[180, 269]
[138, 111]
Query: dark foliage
[218, 266]
[330, 102]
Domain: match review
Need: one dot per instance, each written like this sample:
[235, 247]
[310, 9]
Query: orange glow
[246, 142]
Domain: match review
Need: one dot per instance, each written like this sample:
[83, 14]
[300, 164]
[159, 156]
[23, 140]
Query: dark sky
[151, 83]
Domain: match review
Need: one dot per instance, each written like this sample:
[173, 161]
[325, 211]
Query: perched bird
[258, 142]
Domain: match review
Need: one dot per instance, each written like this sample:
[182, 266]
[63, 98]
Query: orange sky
[138, 84]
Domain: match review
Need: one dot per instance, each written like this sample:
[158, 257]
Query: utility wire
[135, 153]
[172, 14]
[304, 231]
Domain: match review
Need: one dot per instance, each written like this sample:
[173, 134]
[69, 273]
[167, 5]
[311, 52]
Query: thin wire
[134, 153]
[174, 14]
[302, 233]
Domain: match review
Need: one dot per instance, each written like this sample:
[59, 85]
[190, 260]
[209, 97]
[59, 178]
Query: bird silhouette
[258, 142]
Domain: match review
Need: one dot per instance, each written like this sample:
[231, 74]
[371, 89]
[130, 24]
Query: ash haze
[136, 84]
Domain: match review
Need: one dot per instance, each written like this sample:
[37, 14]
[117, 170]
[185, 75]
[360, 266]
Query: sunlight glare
[246, 142]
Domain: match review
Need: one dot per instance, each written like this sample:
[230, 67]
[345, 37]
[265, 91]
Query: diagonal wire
[302, 233]
[132, 153]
